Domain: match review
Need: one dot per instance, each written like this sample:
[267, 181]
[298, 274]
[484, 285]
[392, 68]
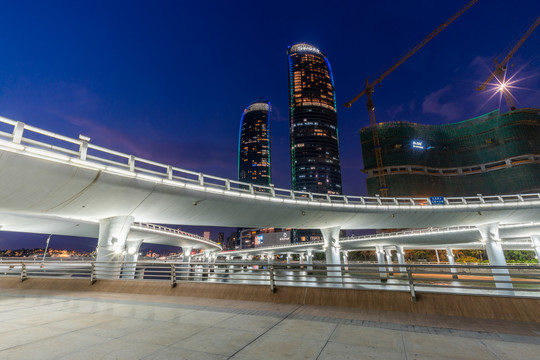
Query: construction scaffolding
[490, 154]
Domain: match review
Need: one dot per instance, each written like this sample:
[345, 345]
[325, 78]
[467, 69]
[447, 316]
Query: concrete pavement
[75, 325]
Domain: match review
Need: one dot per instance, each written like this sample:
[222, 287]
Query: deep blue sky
[168, 80]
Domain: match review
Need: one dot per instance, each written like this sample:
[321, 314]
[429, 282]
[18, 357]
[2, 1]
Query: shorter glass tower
[254, 144]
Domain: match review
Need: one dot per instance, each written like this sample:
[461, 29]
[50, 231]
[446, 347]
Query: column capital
[489, 232]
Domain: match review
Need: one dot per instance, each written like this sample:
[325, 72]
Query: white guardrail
[177, 232]
[49, 145]
[519, 281]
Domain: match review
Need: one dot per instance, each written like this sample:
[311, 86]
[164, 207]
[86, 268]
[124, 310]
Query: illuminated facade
[254, 144]
[492, 154]
[315, 164]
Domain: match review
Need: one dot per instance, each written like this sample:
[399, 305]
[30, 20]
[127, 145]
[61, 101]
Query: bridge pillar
[186, 271]
[492, 241]
[451, 261]
[332, 248]
[130, 260]
[401, 261]
[113, 233]
[289, 257]
[186, 254]
[389, 261]
[270, 258]
[309, 259]
[205, 267]
[345, 255]
[345, 259]
[379, 250]
[536, 245]
[301, 258]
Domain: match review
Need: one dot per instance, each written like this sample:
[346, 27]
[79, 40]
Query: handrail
[487, 280]
[134, 167]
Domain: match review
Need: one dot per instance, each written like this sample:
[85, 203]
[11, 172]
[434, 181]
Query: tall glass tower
[315, 164]
[254, 144]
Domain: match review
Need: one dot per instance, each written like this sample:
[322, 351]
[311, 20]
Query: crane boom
[499, 67]
[370, 88]
[411, 52]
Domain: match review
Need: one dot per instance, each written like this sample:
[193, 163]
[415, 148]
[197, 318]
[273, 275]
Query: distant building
[492, 154]
[315, 164]
[232, 242]
[220, 238]
[254, 144]
[254, 155]
[206, 235]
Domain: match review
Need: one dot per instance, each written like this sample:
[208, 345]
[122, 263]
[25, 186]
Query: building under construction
[491, 154]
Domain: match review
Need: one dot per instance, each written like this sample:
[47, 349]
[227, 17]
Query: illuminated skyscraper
[315, 164]
[254, 144]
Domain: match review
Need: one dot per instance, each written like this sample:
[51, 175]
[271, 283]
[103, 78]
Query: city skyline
[145, 81]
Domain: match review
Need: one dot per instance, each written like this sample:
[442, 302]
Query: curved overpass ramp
[64, 177]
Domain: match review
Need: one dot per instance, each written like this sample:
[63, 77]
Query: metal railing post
[173, 276]
[24, 274]
[272, 283]
[83, 150]
[92, 273]
[131, 163]
[18, 132]
[411, 284]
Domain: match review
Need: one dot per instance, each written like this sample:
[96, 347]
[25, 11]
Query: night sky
[168, 80]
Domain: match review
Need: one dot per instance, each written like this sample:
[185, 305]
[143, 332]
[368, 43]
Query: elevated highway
[71, 178]
[44, 175]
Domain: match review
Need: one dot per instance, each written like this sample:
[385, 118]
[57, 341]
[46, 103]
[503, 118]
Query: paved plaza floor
[67, 325]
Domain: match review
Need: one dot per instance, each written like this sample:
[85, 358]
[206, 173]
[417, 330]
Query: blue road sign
[437, 200]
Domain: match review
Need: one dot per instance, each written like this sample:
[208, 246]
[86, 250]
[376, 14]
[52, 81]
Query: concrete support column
[451, 261]
[207, 258]
[309, 259]
[332, 248]
[401, 260]
[110, 252]
[270, 258]
[186, 254]
[130, 260]
[536, 245]
[345, 255]
[379, 250]
[289, 258]
[492, 241]
[186, 271]
[301, 258]
[345, 259]
[389, 261]
[213, 258]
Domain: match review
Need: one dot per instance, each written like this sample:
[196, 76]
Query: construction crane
[500, 70]
[370, 88]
